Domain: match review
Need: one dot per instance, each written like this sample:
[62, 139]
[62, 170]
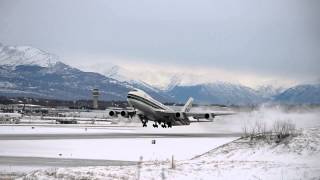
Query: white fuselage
[146, 104]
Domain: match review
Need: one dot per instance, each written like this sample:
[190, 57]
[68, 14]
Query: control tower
[95, 96]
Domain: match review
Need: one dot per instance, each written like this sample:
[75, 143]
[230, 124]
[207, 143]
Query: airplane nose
[131, 93]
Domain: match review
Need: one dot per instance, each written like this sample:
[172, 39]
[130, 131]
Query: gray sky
[249, 42]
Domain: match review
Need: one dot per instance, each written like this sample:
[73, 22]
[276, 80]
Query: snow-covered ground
[57, 129]
[295, 158]
[195, 158]
[112, 149]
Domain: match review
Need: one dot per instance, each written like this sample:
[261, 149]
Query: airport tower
[95, 95]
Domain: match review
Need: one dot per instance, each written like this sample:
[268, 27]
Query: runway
[114, 135]
[59, 162]
[42, 146]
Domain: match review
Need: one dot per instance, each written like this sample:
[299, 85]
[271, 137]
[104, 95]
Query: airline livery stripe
[138, 98]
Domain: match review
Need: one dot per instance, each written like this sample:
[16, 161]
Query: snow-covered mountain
[269, 91]
[116, 72]
[124, 75]
[30, 72]
[119, 74]
[217, 93]
[301, 94]
[25, 55]
[27, 71]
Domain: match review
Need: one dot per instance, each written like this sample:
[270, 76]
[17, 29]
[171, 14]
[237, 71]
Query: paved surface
[113, 135]
[59, 162]
[62, 162]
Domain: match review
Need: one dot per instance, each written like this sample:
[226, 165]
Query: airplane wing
[208, 116]
[182, 118]
[196, 115]
[172, 117]
[123, 112]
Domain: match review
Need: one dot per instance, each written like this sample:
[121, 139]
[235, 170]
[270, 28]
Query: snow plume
[267, 116]
[302, 117]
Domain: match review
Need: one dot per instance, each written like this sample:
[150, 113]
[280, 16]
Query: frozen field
[297, 158]
[195, 158]
[58, 129]
[112, 149]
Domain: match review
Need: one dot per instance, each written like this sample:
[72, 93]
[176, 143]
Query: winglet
[188, 105]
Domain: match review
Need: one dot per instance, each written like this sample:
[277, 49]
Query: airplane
[149, 109]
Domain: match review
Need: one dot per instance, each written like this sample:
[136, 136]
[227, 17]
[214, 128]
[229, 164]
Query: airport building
[95, 96]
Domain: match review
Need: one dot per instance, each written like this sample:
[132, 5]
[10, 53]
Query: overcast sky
[249, 42]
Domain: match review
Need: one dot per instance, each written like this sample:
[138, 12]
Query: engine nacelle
[124, 114]
[209, 116]
[179, 115]
[112, 113]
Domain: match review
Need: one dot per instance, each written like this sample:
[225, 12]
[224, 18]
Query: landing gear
[143, 120]
[166, 125]
[155, 125]
[144, 124]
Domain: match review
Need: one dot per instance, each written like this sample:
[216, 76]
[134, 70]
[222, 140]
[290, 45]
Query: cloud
[246, 42]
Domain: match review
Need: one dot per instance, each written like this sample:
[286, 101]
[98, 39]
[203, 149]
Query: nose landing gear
[144, 123]
[143, 120]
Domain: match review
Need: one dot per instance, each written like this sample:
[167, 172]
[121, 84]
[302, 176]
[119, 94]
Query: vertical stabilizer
[188, 105]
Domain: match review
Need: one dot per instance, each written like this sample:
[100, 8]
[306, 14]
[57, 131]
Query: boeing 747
[149, 109]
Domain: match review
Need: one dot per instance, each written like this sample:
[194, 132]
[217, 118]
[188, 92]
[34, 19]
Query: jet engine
[128, 114]
[209, 116]
[179, 115]
[124, 114]
[112, 113]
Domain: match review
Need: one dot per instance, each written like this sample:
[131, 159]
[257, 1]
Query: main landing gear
[155, 125]
[163, 125]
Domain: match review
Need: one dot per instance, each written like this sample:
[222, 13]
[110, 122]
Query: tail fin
[188, 105]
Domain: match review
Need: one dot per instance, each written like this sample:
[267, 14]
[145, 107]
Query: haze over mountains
[30, 72]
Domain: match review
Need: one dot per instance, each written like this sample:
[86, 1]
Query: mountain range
[29, 72]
